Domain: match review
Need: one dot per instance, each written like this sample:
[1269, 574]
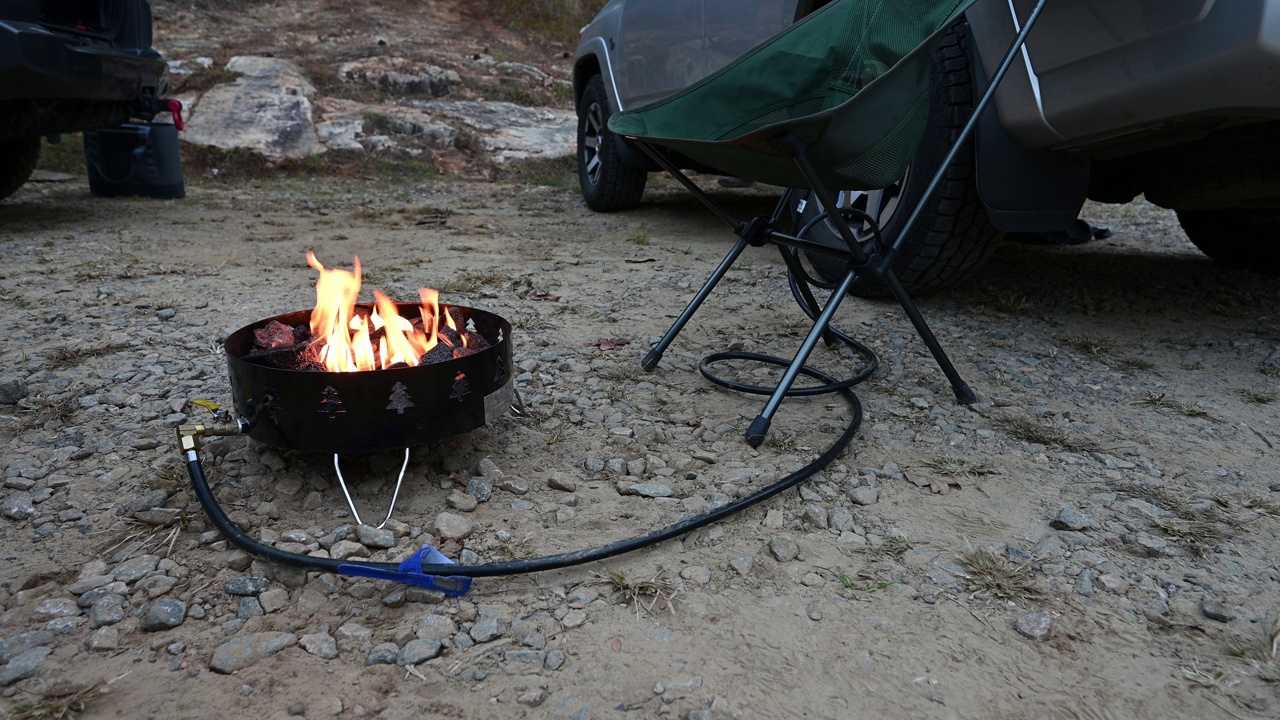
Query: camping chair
[838, 101]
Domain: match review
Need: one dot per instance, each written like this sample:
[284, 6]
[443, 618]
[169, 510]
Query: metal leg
[395, 496]
[651, 360]
[760, 426]
[962, 391]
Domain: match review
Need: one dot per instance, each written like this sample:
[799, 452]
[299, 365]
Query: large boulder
[267, 110]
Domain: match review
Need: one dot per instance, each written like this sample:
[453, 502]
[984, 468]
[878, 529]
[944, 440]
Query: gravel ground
[1097, 538]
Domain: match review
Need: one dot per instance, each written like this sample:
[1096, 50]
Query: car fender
[1023, 190]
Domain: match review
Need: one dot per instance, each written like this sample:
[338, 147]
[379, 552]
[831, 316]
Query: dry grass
[1033, 431]
[1160, 400]
[1261, 650]
[1198, 536]
[1257, 397]
[63, 701]
[958, 467]
[893, 548]
[553, 20]
[656, 592]
[996, 578]
[1097, 348]
[66, 356]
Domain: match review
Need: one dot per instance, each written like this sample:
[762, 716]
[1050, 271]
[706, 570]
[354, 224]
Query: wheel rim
[880, 204]
[592, 133]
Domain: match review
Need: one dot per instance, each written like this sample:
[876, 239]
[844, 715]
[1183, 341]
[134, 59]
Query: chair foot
[759, 428]
[964, 394]
[651, 360]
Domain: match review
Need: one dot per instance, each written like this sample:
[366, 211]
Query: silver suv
[1177, 100]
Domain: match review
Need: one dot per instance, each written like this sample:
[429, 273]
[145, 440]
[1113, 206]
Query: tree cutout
[270, 402]
[330, 403]
[460, 388]
[400, 400]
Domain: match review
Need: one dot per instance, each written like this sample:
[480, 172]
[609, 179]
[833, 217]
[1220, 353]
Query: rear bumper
[37, 64]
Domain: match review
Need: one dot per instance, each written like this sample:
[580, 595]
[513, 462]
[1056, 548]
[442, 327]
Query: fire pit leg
[394, 496]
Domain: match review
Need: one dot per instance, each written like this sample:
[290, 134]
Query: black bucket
[137, 158]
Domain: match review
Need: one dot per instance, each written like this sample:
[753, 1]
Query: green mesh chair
[838, 101]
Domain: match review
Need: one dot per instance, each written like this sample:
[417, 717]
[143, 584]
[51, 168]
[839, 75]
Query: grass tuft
[993, 577]
[658, 590]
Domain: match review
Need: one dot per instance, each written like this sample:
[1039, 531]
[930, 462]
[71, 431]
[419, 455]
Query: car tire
[953, 237]
[1238, 238]
[607, 184]
[18, 159]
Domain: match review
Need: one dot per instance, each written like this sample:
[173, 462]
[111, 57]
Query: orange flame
[344, 337]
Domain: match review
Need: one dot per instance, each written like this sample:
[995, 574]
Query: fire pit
[346, 377]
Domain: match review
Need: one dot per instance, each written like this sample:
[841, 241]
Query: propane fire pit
[346, 377]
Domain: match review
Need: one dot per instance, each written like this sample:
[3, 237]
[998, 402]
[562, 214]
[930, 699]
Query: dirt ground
[1122, 475]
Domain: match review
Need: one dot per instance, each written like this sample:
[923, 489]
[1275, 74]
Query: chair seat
[850, 80]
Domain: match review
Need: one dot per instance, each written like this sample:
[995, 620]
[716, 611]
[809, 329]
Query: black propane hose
[548, 562]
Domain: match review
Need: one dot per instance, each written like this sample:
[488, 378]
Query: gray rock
[1036, 625]
[416, 651]
[347, 549]
[593, 464]
[12, 389]
[353, 635]
[249, 608]
[19, 506]
[158, 517]
[488, 468]
[515, 487]
[452, 527]
[742, 565]
[532, 697]
[265, 110]
[697, 574]
[55, 608]
[18, 644]
[435, 627]
[783, 548]
[375, 537]
[104, 638]
[164, 615]
[247, 586]
[649, 490]
[241, 652]
[274, 600]
[864, 494]
[486, 630]
[560, 481]
[1215, 610]
[133, 570]
[24, 666]
[481, 488]
[321, 645]
[1084, 583]
[384, 654]
[106, 610]
[1070, 518]
[555, 660]
[461, 501]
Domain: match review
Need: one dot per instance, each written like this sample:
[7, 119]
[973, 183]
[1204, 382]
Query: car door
[733, 27]
[661, 49]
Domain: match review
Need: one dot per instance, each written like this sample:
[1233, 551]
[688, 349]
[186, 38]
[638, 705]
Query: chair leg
[760, 426]
[651, 360]
[964, 394]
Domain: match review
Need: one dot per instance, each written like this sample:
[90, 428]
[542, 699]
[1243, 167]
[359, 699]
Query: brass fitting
[190, 436]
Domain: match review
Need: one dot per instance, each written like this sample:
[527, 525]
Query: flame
[345, 337]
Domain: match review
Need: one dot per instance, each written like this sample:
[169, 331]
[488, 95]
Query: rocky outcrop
[273, 109]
